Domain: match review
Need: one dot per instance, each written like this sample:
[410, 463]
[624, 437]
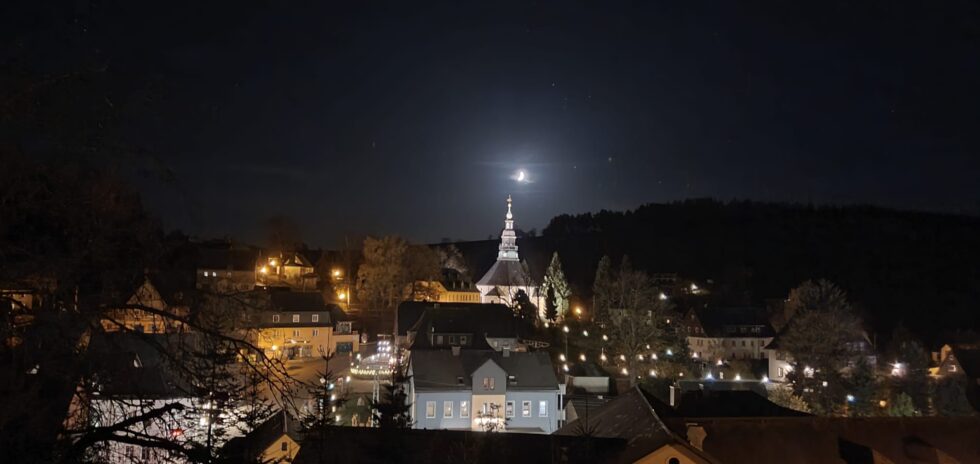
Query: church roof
[505, 273]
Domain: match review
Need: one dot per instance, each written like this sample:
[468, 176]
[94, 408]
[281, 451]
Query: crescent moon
[520, 176]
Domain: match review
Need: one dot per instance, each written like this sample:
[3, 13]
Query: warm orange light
[264, 270]
[342, 296]
[336, 272]
[272, 262]
[578, 310]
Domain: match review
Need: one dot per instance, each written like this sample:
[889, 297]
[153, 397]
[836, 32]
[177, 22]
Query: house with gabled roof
[159, 304]
[728, 333]
[467, 325]
[483, 390]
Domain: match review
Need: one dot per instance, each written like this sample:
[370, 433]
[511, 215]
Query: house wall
[420, 403]
[275, 454]
[779, 366]
[712, 348]
[547, 423]
[296, 342]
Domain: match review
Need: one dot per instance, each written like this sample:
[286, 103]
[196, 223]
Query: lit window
[488, 383]
[525, 409]
[462, 339]
[543, 408]
[464, 409]
[295, 317]
[779, 372]
[316, 318]
[275, 318]
[509, 412]
[447, 409]
[430, 409]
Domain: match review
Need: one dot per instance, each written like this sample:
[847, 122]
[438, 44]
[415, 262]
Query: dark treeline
[918, 269]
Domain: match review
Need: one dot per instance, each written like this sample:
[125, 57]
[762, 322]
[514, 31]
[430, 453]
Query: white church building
[508, 275]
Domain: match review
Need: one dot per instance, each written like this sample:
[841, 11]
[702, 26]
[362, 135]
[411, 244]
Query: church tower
[508, 275]
[508, 238]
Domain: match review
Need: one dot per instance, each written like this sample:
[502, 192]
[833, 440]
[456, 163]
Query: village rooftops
[454, 315]
[436, 370]
[249, 448]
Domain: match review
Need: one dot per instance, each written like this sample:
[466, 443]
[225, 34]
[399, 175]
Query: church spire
[508, 239]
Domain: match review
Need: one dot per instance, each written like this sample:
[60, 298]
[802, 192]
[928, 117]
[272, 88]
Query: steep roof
[629, 416]
[450, 315]
[344, 445]
[731, 322]
[442, 370]
[721, 403]
[490, 320]
[505, 273]
[134, 364]
[297, 301]
[968, 357]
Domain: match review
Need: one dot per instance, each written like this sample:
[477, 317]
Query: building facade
[300, 325]
[728, 333]
[483, 390]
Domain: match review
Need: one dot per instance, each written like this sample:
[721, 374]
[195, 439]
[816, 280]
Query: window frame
[447, 406]
[295, 318]
[315, 318]
[430, 409]
[275, 318]
[464, 409]
[509, 409]
[525, 408]
[542, 408]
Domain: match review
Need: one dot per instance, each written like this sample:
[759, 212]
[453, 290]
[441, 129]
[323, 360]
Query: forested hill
[921, 269]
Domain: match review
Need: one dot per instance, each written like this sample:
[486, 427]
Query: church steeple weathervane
[508, 239]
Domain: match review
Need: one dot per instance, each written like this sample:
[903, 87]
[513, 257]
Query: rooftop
[443, 370]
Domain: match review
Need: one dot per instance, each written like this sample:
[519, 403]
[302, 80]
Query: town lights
[272, 262]
[850, 398]
[581, 357]
[264, 270]
[564, 367]
[578, 310]
[585, 333]
[275, 347]
[882, 403]
[605, 338]
[625, 372]
[709, 376]
[765, 379]
[622, 357]
[719, 363]
[663, 296]
[561, 357]
[342, 296]
[653, 373]
[653, 356]
[738, 377]
[639, 357]
[336, 272]
[669, 353]
[602, 357]
[564, 329]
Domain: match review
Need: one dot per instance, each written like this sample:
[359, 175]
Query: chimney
[456, 351]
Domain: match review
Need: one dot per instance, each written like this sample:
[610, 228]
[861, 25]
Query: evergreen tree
[555, 282]
[903, 406]
[393, 410]
[602, 289]
[550, 306]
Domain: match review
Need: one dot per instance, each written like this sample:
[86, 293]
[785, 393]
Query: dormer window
[275, 318]
[316, 318]
[295, 317]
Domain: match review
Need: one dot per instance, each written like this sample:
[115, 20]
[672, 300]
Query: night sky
[412, 119]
